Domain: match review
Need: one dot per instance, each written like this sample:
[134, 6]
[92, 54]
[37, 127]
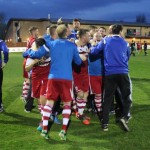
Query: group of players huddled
[75, 66]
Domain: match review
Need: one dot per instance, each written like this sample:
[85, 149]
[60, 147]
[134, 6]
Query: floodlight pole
[49, 19]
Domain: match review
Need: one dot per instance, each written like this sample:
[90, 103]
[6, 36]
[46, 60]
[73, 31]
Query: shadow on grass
[30, 121]
[140, 82]
[11, 94]
[140, 79]
[81, 136]
[137, 108]
[20, 120]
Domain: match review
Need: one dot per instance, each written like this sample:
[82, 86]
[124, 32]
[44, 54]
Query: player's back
[62, 54]
[116, 55]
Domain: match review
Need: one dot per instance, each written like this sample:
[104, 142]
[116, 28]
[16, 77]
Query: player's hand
[3, 65]
[88, 51]
[42, 60]
[83, 57]
[36, 61]
[33, 47]
[59, 21]
[93, 43]
[72, 40]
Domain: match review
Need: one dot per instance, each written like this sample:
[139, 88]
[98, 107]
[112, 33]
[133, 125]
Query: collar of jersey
[116, 35]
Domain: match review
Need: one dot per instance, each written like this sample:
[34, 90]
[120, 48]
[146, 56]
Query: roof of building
[84, 22]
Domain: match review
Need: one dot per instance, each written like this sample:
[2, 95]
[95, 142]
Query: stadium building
[17, 29]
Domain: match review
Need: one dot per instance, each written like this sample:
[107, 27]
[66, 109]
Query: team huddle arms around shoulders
[82, 69]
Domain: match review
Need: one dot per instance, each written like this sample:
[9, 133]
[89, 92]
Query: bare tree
[2, 25]
[141, 18]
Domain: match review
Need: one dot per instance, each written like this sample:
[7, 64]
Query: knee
[67, 104]
[85, 95]
[42, 100]
[67, 108]
[80, 94]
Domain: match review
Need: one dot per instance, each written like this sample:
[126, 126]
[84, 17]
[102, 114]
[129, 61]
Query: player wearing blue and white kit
[74, 32]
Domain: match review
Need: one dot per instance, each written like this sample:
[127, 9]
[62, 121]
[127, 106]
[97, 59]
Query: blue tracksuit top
[116, 54]
[4, 49]
[62, 53]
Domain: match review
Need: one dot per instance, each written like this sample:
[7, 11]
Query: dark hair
[92, 27]
[82, 32]
[31, 29]
[39, 42]
[116, 28]
[76, 20]
[103, 28]
[47, 27]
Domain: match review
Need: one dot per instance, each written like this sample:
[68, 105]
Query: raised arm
[42, 51]
[98, 48]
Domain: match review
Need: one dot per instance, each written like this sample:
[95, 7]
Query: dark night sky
[112, 10]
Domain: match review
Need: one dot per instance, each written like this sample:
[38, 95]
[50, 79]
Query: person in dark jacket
[4, 49]
[116, 56]
[145, 48]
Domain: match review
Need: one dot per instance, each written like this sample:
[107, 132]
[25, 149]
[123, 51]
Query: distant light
[133, 39]
[49, 16]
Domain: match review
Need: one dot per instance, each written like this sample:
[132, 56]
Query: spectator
[145, 48]
[132, 48]
[4, 49]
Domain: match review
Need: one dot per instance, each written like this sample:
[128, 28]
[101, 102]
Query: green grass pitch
[18, 128]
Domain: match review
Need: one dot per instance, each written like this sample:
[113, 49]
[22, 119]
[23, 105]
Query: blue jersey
[4, 49]
[73, 35]
[47, 37]
[95, 65]
[62, 53]
[116, 54]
